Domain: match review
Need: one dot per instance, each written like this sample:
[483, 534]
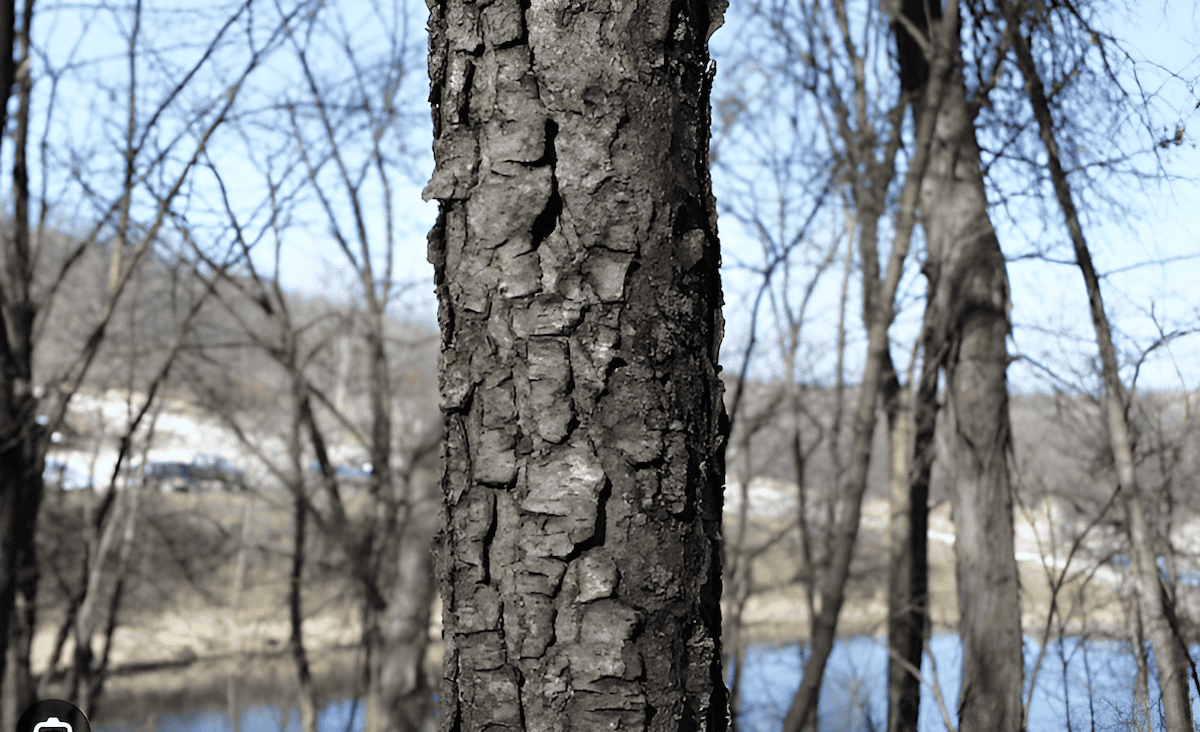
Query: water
[1080, 683]
[338, 716]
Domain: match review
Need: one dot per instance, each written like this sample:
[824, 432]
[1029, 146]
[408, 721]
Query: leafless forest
[863, 485]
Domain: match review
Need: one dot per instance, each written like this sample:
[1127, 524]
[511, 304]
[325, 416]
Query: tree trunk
[972, 299]
[910, 441]
[576, 264]
[103, 542]
[738, 562]
[911, 429]
[1154, 605]
[91, 694]
[399, 696]
[305, 693]
[20, 690]
[1141, 680]
[879, 295]
[21, 456]
[904, 625]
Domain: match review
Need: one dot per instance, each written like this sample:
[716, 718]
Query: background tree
[377, 537]
[824, 58]
[576, 262]
[148, 185]
[384, 540]
[830, 56]
[778, 431]
[969, 293]
[350, 135]
[1154, 601]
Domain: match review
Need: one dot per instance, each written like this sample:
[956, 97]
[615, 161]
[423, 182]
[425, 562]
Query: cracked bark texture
[972, 299]
[576, 265]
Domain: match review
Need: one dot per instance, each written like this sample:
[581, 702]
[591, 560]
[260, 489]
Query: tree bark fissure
[576, 265]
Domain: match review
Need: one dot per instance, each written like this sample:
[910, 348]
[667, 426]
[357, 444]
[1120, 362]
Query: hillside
[209, 591]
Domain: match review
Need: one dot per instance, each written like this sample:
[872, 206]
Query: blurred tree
[29, 412]
[1154, 601]
[969, 300]
[334, 169]
[829, 53]
[832, 53]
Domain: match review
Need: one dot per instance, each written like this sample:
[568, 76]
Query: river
[1082, 685]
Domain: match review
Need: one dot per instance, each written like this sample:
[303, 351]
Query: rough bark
[972, 300]
[576, 264]
[1154, 604]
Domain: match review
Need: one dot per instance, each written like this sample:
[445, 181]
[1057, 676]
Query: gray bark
[576, 265]
[911, 420]
[972, 300]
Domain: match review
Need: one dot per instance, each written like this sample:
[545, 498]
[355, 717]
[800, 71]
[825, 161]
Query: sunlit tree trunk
[972, 302]
[576, 264]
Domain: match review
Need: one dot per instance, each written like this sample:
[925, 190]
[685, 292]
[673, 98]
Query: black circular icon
[53, 715]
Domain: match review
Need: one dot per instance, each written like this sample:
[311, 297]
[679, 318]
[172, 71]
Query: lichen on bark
[576, 265]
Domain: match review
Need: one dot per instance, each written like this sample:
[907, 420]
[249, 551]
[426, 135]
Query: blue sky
[1148, 254]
